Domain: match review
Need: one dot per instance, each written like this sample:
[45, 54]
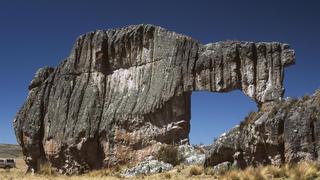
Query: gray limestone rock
[147, 167]
[222, 167]
[190, 155]
[284, 131]
[121, 92]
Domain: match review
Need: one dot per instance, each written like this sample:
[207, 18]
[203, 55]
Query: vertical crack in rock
[89, 74]
[123, 92]
[254, 58]
[68, 106]
[103, 56]
[42, 158]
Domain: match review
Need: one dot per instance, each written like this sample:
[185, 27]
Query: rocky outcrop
[122, 92]
[285, 131]
[149, 166]
[191, 155]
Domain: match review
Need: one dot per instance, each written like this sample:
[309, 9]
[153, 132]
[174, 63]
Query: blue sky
[39, 33]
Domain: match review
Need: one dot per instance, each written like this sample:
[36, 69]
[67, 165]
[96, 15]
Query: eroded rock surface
[191, 155]
[286, 131]
[147, 167]
[122, 92]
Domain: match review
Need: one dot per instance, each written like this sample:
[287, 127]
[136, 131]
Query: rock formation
[150, 166]
[284, 131]
[123, 92]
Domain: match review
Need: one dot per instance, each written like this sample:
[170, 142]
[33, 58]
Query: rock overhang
[123, 91]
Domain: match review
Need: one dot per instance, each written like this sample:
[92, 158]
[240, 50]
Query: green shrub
[169, 154]
[248, 119]
[273, 112]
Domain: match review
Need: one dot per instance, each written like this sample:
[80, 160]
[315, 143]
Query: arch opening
[213, 114]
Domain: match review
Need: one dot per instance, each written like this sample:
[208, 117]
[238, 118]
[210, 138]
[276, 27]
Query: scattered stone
[147, 167]
[222, 167]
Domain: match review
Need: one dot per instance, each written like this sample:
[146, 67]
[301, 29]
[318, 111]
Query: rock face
[190, 155]
[122, 92]
[286, 131]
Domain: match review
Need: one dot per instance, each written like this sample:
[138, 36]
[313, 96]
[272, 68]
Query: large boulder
[147, 167]
[121, 92]
[190, 155]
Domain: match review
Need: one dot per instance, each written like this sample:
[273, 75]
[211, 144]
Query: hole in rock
[215, 113]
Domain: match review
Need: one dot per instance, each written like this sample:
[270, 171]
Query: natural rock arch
[213, 114]
[122, 92]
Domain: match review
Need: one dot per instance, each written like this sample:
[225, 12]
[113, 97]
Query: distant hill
[10, 151]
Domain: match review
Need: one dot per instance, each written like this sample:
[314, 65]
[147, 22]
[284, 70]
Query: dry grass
[167, 175]
[209, 171]
[251, 117]
[46, 170]
[302, 171]
[195, 171]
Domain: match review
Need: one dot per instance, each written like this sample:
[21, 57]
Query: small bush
[273, 112]
[314, 115]
[167, 175]
[180, 168]
[209, 171]
[248, 119]
[305, 97]
[169, 154]
[116, 168]
[195, 171]
[288, 105]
